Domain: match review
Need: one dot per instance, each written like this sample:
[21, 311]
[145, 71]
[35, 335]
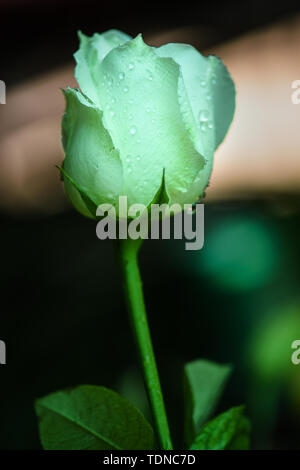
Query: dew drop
[130, 66]
[126, 89]
[210, 125]
[203, 83]
[203, 115]
[121, 76]
[107, 106]
[208, 97]
[203, 127]
[132, 130]
[138, 158]
[113, 100]
[112, 113]
[148, 110]
[149, 76]
[128, 159]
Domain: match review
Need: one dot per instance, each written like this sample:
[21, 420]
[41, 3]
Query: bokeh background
[62, 312]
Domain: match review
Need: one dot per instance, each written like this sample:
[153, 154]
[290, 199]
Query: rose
[145, 124]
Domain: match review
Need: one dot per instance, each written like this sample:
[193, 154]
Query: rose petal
[90, 54]
[91, 159]
[142, 113]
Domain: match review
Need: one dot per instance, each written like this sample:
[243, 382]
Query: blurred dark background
[32, 31]
[62, 312]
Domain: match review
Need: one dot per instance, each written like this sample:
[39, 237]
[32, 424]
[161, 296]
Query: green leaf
[204, 382]
[229, 430]
[93, 418]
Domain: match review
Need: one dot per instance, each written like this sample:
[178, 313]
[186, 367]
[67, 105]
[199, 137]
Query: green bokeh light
[240, 253]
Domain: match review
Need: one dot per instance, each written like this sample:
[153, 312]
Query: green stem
[128, 250]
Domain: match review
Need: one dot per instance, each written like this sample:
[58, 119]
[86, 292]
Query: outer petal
[91, 159]
[143, 115]
[207, 100]
[90, 54]
[209, 87]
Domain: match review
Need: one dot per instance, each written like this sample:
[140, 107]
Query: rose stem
[128, 254]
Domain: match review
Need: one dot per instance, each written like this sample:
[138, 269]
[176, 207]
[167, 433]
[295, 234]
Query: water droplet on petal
[203, 115]
[113, 100]
[112, 113]
[128, 159]
[107, 106]
[132, 130]
[149, 75]
[208, 97]
[203, 83]
[121, 76]
[131, 66]
[138, 158]
[148, 110]
[126, 89]
[210, 125]
[203, 127]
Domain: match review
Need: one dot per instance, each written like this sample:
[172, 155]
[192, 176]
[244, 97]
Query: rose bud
[145, 122]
